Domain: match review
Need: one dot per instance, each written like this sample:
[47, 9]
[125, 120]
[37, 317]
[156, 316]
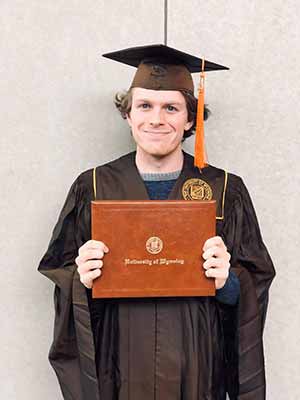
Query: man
[164, 348]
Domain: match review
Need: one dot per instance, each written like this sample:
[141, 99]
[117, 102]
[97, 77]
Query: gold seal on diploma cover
[196, 189]
[154, 245]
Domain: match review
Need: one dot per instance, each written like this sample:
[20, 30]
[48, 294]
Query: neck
[148, 163]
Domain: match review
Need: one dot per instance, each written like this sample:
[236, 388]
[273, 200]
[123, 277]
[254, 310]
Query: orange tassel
[199, 140]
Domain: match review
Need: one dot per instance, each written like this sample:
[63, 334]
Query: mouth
[157, 132]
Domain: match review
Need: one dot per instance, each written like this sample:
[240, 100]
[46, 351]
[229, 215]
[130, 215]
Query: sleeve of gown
[253, 266]
[248, 252]
[58, 264]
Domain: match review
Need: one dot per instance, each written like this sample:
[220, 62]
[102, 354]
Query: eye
[144, 106]
[171, 108]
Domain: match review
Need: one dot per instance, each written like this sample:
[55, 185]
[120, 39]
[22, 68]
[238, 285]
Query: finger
[214, 251]
[93, 244]
[88, 278]
[216, 263]
[212, 242]
[87, 266]
[217, 273]
[90, 244]
[90, 254]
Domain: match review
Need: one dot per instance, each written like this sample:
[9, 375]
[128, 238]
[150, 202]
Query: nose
[156, 117]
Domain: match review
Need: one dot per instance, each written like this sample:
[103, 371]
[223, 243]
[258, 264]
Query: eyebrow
[167, 102]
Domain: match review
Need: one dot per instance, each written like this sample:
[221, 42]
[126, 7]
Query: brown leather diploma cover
[155, 247]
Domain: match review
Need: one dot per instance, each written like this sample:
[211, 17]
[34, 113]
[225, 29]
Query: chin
[159, 153]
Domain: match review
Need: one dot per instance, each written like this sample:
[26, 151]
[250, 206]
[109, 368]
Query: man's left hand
[217, 260]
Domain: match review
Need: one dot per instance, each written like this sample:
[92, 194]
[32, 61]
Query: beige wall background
[57, 119]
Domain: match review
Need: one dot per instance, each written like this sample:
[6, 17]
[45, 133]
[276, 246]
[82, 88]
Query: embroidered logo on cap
[158, 71]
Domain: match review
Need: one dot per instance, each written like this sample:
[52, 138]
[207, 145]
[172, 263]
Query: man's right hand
[89, 261]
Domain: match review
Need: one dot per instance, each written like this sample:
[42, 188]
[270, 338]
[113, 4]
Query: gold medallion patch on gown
[196, 189]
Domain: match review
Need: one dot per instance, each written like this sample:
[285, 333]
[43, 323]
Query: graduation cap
[160, 67]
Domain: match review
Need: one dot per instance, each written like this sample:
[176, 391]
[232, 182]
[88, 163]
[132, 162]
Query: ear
[188, 125]
[128, 118]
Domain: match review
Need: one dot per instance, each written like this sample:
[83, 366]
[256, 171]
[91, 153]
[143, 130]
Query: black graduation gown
[162, 349]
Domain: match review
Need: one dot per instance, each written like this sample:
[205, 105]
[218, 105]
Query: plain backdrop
[58, 119]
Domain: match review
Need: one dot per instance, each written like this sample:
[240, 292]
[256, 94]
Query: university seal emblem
[154, 245]
[196, 189]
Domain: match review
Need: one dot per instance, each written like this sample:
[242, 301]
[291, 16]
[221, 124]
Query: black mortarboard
[160, 53]
[160, 67]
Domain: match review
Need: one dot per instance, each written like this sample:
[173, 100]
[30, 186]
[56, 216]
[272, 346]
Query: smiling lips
[157, 132]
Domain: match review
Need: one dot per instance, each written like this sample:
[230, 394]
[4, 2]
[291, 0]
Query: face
[158, 119]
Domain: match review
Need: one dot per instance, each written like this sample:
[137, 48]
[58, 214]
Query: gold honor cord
[94, 183]
[224, 193]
